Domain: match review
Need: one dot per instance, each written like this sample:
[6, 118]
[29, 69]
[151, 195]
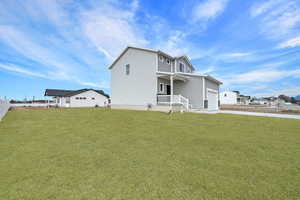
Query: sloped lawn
[101, 154]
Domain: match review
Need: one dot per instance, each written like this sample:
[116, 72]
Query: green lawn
[101, 154]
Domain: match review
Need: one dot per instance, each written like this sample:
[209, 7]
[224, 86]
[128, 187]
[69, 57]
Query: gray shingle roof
[69, 93]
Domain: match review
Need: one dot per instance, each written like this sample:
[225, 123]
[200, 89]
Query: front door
[168, 89]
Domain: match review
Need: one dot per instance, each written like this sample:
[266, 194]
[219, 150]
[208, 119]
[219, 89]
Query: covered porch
[167, 94]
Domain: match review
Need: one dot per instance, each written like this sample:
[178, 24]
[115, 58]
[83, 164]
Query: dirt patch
[31, 108]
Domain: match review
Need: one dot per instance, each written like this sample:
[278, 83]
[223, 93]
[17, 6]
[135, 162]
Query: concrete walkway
[260, 114]
[247, 113]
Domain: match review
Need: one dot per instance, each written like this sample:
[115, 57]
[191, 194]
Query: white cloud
[261, 76]
[22, 71]
[112, 30]
[290, 43]
[175, 44]
[134, 5]
[277, 18]
[263, 7]
[277, 92]
[209, 9]
[237, 54]
[103, 84]
[207, 70]
[51, 76]
[24, 45]
[288, 91]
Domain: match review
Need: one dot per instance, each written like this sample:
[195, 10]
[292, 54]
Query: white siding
[228, 97]
[89, 101]
[98, 100]
[140, 86]
[4, 106]
[191, 89]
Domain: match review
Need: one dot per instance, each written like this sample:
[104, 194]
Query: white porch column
[171, 85]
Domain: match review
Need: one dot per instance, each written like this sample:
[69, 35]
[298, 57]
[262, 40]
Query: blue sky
[252, 46]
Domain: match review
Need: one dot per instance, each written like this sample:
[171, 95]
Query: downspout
[219, 97]
[205, 103]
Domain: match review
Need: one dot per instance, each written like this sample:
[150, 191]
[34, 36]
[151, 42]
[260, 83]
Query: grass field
[101, 154]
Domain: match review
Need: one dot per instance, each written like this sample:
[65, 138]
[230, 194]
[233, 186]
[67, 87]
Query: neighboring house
[269, 101]
[245, 100]
[228, 97]
[78, 98]
[234, 97]
[142, 78]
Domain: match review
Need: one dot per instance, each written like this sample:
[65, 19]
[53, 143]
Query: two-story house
[141, 77]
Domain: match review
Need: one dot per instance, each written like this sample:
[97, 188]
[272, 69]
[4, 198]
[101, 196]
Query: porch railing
[177, 99]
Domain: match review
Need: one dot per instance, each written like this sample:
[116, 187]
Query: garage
[212, 98]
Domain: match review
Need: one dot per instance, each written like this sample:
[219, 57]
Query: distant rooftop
[69, 93]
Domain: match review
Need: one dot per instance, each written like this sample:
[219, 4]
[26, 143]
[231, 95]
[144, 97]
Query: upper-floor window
[225, 95]
[168, 61]
[161, 87]
[161, 58]
[181, 67]
[93, 98]
[127, 69]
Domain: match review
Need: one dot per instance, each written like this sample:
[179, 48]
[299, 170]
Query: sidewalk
[259, 114]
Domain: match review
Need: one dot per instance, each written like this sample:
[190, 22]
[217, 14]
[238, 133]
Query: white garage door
[212, 98]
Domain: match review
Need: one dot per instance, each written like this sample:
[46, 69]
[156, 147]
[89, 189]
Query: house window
[161, 87]
[168, 61]
[127, 69]
[77, 98]
[161, 58]
[68, 100]
[225, 95]
[84, 98]
[93, 98]
[181, 67]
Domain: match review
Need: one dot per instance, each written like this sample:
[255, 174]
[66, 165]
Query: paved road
[259, 114]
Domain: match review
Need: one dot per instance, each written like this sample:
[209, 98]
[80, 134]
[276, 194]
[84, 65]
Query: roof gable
[186, 58]
[126, 49]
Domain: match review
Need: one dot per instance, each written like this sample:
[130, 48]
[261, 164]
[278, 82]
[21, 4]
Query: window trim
[127, 69]
[168, 61]
[68, 100]
[183, 69]
[161, 87]
[161, 58]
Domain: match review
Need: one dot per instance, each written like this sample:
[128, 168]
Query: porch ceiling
[175, 77]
